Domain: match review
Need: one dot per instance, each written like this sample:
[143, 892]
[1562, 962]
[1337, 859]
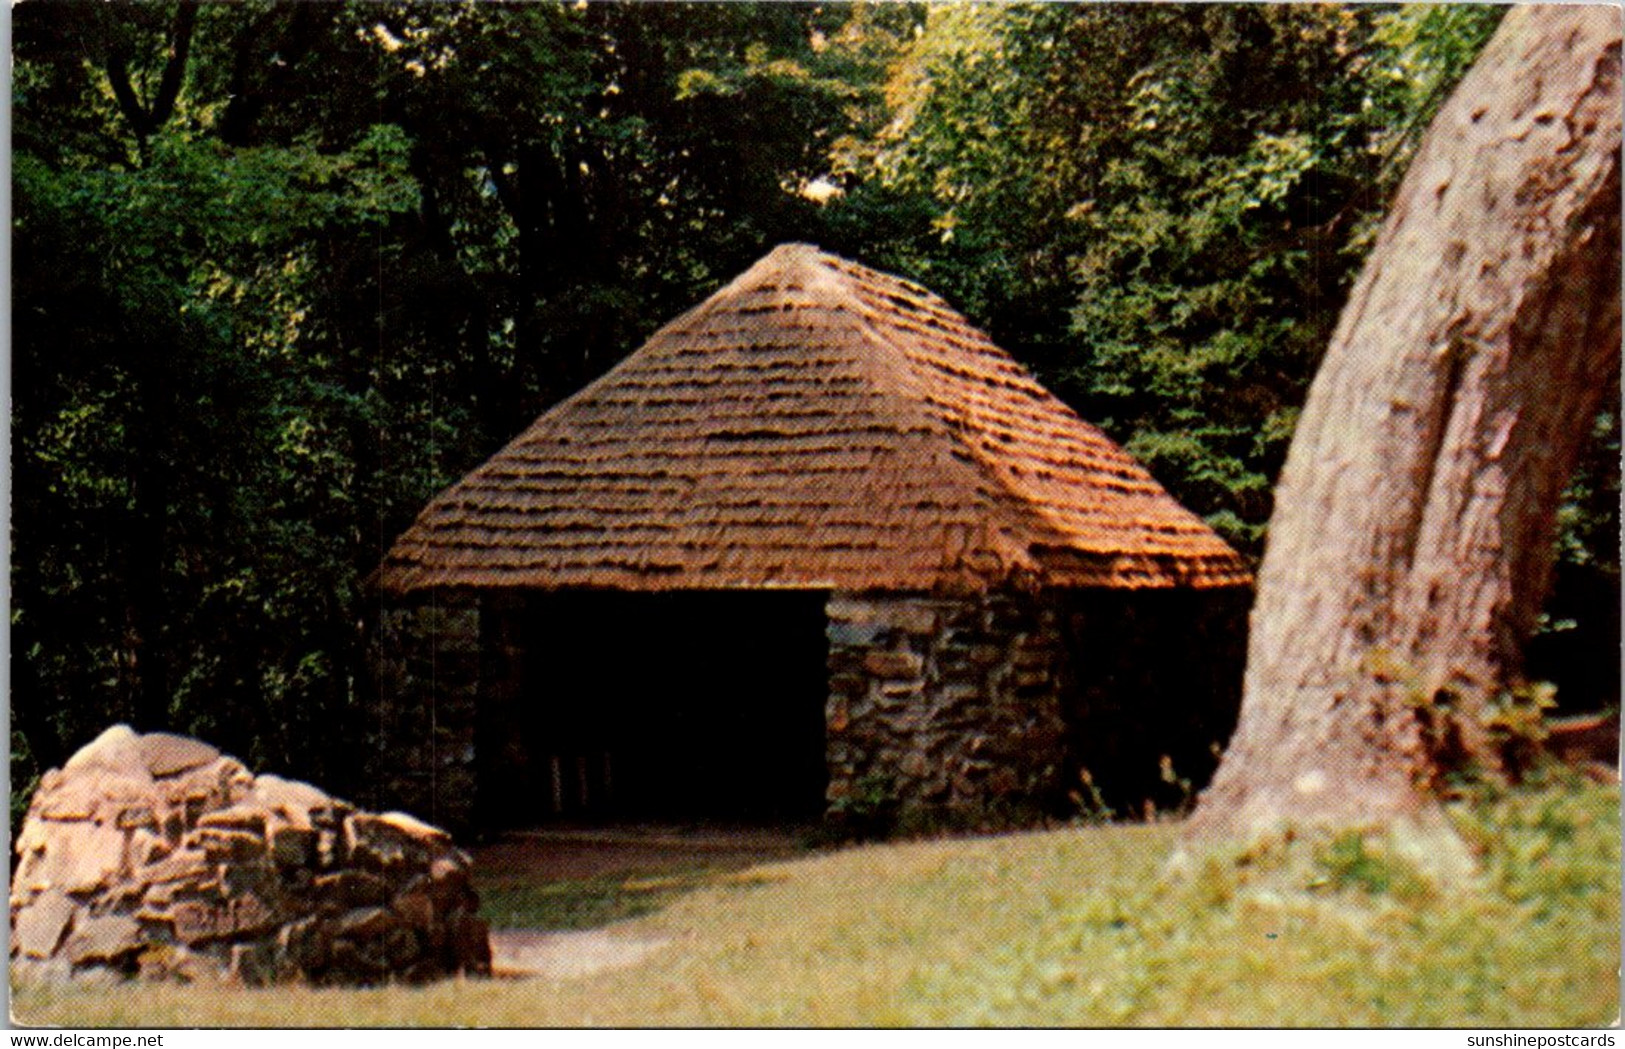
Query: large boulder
[157, 856]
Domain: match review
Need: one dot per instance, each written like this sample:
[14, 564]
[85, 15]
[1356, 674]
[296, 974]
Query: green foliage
[1477, 741]
[1162, 207]
[282, 271]
[1576, 643]
[1348, 864]
[1515, 720]
[264, 312]
[188, 436]
[1088, 801]
[870, 810]
[23, 778]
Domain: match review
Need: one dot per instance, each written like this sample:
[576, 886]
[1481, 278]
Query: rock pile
[157, 856]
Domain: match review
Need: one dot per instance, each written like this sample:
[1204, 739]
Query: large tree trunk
[1412, 537]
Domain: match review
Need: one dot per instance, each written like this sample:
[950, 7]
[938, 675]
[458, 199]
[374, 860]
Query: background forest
[282, 271]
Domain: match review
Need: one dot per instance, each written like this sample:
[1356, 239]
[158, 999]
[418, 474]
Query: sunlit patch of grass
[589, 903]
[1090, 926]
[584, 903]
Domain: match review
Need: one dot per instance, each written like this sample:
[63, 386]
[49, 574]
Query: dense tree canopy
[283, 270]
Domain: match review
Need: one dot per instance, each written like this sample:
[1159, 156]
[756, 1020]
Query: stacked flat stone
[954, 701]
[157, 856]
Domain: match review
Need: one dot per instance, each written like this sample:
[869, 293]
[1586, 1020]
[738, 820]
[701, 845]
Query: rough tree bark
[1411, 543]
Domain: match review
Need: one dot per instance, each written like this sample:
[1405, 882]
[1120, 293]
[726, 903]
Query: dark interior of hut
[673, 707]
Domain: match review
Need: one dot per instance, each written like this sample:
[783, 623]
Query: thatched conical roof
[813, 424]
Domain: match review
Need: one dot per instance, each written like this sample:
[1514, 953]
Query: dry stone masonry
[979, 708]
[157, 856]
[427, 660]
[942, 702]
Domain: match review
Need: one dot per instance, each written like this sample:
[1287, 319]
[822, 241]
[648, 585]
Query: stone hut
[818, 544]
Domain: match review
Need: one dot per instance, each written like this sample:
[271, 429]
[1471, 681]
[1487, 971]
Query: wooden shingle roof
[814, 424]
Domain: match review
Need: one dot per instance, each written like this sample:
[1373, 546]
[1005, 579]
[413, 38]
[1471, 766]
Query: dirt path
[538, 857]
[571, 853]
[519, 953]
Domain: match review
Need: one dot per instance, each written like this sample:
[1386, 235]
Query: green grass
[590, 903]
[1080, 927]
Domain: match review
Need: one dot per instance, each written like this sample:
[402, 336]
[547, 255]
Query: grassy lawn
[1078, 927]
[591, 903]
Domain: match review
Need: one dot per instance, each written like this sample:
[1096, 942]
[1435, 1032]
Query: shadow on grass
[589, 903]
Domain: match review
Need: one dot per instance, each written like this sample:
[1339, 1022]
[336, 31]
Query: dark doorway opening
[683, 706]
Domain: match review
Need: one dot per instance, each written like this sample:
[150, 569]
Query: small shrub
[1482, 741]
[1515, 720]
[1182, 784]
[1347, 863]
[1090, 803]
[25, 777]
[869, 812]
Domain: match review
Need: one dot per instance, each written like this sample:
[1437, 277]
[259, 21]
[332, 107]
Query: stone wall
[969, 704]
[945, 703]
[427, 662]
[158, 856]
